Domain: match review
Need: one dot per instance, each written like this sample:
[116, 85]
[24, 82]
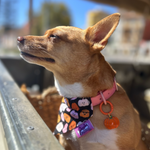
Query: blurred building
[146, 33]
[145, 43]
[126, 40]
[95, 16]
[130, 29]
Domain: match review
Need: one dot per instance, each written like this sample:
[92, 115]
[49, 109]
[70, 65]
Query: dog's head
[62, 49]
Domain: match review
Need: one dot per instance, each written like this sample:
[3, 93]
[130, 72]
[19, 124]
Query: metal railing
[23, 127]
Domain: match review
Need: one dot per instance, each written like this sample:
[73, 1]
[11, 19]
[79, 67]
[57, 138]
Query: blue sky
[78, 10]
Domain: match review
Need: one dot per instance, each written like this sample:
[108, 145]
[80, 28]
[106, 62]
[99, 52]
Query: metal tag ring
[111, 108]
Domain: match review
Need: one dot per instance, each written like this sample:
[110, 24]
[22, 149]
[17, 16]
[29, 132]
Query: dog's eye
[53, 36]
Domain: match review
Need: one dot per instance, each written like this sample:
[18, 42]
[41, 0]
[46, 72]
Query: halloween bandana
[72, 113]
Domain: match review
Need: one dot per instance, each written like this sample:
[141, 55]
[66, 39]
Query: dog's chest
[96, 139]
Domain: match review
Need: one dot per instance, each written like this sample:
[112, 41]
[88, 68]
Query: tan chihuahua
[80, 70]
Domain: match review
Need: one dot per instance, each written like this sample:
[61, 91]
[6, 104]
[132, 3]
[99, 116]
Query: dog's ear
[97, 35]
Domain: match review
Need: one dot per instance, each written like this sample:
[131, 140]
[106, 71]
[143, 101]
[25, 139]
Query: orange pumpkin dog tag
[111, 122]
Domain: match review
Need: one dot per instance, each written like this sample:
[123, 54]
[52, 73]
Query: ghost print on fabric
[73, 112]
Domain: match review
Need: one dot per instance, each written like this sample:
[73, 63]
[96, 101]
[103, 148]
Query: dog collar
[103, 96]
[75, 112]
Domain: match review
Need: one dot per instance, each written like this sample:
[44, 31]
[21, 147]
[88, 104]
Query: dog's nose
[20, 38]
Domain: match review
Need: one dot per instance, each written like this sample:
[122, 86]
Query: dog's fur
[80, 70]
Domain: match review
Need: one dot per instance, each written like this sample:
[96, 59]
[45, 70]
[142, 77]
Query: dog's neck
[101, 79]
[69, 90]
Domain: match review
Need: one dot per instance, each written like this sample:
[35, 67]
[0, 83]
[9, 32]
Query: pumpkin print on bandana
[85, 113]
[72, 112]
[67, 117]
